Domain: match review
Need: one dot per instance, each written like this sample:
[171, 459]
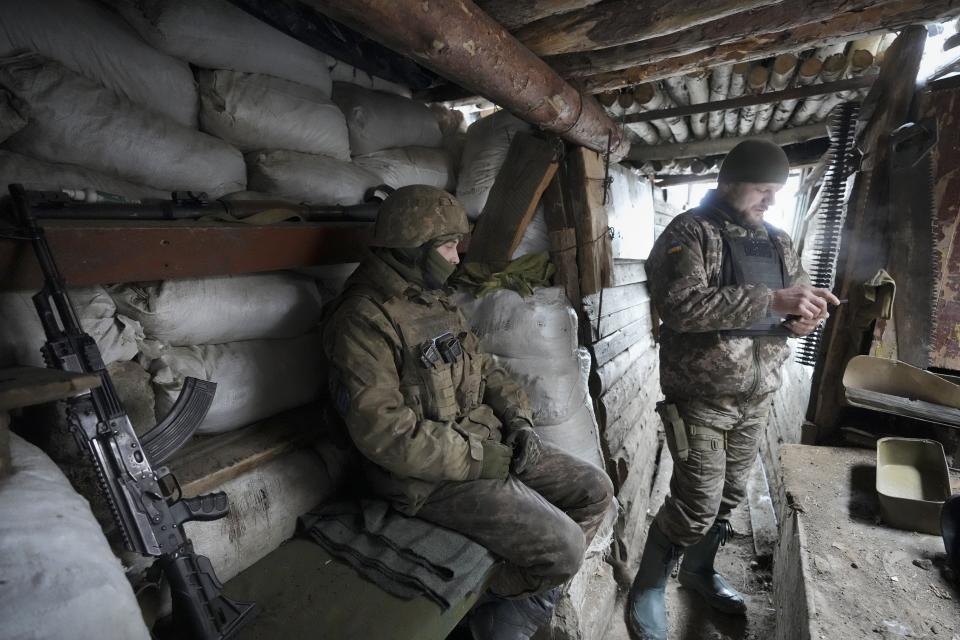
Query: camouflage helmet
[416, 214]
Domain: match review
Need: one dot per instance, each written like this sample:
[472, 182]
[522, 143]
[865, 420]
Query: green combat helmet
[413, 215]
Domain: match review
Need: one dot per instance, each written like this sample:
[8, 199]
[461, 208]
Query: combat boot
[502, 619]
[646, 604]
[697, 572]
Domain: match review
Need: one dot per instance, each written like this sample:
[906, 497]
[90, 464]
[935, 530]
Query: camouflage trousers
[539, 522]
[723, 435]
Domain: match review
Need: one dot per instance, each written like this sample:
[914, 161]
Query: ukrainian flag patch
[676, 247]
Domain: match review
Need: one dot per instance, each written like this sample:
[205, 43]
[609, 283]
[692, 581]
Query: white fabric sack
[60, 578]
[253, 111]
[536, 238]
[488, 141]
[556, 387]
[578, 435]
[410, 165]
[74, 120]
[21, 334]
[94, 42]
[215, 34]
[255, 378]
[308, 178]
[223, 308]
[543, 325]
[48, 176]
[330, 278]
[342, 72]
[378, 120]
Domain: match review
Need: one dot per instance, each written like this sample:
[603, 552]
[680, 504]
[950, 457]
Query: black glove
[526, 447]
[496, 460]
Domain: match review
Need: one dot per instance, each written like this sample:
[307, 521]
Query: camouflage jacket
[415, 425]
[684, 272]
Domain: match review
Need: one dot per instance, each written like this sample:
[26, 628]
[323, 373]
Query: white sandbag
[21, 334]
[405, 166]
[94, 42]
[252, 111]
[74, 120]
[255, 378]
[13, 114]
[60, 579]
[556, 387]
[215, 34]
[308, 178]
[536, 238]
[222, 308]
[49, 176]
[342, 72]
[578, 435]
[378, 120]
[543, 325]
[330, 278]
[488, 141]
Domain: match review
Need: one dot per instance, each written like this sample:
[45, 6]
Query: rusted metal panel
[101, 252]
[945, 350]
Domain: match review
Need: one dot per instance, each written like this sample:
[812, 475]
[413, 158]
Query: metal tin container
[913, 482]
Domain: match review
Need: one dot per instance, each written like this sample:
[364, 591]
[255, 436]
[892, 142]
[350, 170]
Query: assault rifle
[146, 502]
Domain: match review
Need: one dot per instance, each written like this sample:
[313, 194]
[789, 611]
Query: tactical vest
[751, 260]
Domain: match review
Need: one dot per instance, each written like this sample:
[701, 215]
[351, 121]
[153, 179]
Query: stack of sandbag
[253, 335]
[60, 578]
[535, 339]
[395, 138]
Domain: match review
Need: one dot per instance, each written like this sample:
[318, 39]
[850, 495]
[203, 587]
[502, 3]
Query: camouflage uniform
[720, 384]
[420, 431]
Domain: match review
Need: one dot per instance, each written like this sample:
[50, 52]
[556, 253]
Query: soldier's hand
[802, 327]
[803, 301]
[526, 448]
[496, 460]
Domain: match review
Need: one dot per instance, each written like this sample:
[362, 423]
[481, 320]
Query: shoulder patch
[675, 247]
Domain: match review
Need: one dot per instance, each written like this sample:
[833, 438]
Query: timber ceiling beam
[889, 16]
[617, 22]
[701, 148]
[727, 30]
[515, 13]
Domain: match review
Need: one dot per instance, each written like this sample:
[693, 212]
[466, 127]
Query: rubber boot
[502, 619]
[697, 572]
[646, 604]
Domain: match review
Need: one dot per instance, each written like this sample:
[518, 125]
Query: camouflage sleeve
[681, 285]
[792, 262]
[382, 426]
[504, 395]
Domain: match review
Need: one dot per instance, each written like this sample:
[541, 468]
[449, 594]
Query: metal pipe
[457, 40]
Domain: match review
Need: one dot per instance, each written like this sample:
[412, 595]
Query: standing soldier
[722, 280]
[445, 433]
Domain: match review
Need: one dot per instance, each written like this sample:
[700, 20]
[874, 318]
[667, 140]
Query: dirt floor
[690, 619]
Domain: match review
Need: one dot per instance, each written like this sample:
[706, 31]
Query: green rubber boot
[646, 604]
[697, 572]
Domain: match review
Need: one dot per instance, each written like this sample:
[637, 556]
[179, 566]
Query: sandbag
[255, 378]
[222, 308]
[308, 178]
[536, 238]
[555, 386]
[21, 334]
[488, 141]
[410, 165]
[74, 120]
[578, 435]
[60, 579]
[13, 114]
[342, 72]
[330, 278]
[253, 111]
[378, 120]
[541, 325]
[48, 176]
[94, 42]
[215, 34]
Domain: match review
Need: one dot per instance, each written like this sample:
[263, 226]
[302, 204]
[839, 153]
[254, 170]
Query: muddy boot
[646, 604]
[697, 572]
[502, 619]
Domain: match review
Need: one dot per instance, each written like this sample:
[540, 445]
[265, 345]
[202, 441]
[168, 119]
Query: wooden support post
[584, 189]
[561, 226]
[864, 245]
[530, 165]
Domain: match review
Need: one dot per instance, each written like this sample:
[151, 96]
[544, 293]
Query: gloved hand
[526, 447]
[496, 460]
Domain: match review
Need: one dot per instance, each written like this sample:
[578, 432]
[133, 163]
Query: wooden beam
[561, 226]
[700, 148]
[735, 28]
[26, 386]
[885, 17]
[751, 100]
[529, 167]
[583, 189]
[516, 13]
[94, 252]
[617, 22]
[674, 180]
